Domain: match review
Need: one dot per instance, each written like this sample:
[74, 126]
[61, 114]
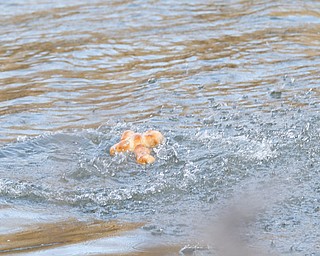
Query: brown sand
[50, 235]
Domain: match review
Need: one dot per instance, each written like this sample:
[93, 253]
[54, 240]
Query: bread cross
[140, 144]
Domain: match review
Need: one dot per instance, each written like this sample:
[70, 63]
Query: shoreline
[30, 231]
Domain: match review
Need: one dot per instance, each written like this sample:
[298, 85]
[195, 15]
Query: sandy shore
[29, 231]
[43, 230]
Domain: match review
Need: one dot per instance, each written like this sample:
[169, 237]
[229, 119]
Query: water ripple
[234, 86]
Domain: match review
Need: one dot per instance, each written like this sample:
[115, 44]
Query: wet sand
[40, 232]
[66, 232]
[46, 231]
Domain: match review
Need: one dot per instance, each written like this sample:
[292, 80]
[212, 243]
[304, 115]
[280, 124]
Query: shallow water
[233, 86]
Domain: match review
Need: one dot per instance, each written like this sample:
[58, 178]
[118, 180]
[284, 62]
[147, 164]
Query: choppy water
[233, 86]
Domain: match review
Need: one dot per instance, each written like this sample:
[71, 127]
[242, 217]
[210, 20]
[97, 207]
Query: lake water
[233, 86]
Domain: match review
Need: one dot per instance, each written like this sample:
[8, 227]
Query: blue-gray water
[232, 85]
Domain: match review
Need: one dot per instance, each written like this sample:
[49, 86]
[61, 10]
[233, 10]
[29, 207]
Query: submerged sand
[33, 231]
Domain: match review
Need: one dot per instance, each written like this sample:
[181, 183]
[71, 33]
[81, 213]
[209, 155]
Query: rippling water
[233, 85]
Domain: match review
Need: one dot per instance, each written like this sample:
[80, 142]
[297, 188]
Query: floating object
[276, 94]
[139, 143]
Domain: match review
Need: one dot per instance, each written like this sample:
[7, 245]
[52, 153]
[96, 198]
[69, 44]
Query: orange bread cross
[138, 143]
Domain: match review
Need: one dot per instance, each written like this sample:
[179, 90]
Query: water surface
[233, 86]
